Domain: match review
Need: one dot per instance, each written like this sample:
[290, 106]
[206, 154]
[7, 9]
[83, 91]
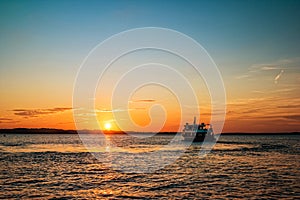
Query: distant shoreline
[61, 131]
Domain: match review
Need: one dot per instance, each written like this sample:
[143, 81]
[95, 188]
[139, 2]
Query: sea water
[51, 166]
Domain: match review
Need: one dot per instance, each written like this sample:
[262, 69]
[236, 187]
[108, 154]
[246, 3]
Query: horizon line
[121, 131]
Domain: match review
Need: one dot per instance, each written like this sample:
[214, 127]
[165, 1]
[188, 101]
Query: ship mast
[195, 125]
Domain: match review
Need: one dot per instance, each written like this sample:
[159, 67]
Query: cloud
[242, 76]
[139, 109]
[281, 105]
[90, 112]
[289, 106]
[143, 101]
[110, 110]
[263, 67]
[291, 64]
[278, 76]
[257, 92]
[117, 110]
[292, 117]
[38, 112]
[255, 69]
[58, 109]
[7, 120]
[266, 68]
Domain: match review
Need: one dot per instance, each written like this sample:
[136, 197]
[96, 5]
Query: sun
[107, 126]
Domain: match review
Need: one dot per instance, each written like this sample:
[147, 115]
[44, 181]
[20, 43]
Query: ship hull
[197, 137]
[194, 138]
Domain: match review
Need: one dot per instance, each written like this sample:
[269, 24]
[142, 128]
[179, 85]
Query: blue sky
[223, 27]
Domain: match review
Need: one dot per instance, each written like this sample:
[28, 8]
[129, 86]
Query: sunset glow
[43, 47]
[107, 126]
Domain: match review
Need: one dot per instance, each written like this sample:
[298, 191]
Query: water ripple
[238, 167]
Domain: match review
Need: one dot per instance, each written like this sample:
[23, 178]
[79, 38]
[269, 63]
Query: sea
[60, 166]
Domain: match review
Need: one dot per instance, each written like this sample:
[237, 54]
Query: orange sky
[250, 107]
[256, 102]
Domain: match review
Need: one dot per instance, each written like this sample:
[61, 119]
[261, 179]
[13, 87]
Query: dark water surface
[59, 166]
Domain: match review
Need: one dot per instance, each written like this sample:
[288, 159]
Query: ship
[198, 132]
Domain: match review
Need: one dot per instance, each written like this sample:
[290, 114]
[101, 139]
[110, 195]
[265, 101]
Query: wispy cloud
[292, 64]
[255, 69]
[265, 108]
[263, 67]
[262, 119]
[278, 76]
[143, 101]
[117, 110]
[38, 112]
[266, 68]
[110, 110]
[286, 117]
[289, 106]
[138, 108]
[7, 120]
[4, 119]
[242, 76]
[292, 117]
[94, 112]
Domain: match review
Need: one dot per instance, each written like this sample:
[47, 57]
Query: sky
[255, 45]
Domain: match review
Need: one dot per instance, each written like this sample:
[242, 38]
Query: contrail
[278, 76]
